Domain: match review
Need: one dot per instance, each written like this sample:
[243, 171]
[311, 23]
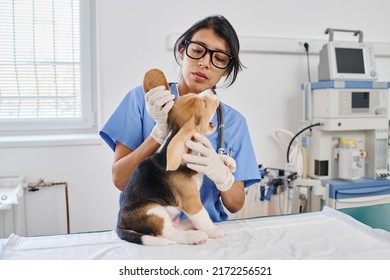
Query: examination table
[327, 234]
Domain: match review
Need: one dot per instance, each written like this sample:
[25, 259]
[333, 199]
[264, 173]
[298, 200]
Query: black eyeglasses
[219, 59]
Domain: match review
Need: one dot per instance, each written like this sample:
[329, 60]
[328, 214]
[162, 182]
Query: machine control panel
[350, 103]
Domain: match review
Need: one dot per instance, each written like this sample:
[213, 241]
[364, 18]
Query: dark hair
[222, 29]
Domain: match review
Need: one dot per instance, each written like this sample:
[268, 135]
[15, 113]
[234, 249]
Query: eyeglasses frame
[187, 42]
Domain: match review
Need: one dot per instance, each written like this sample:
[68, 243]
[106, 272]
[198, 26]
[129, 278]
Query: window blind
[40, 65]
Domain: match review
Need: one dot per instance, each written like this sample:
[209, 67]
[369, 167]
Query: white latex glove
[159, 102]
[206, 161]
[229, 162]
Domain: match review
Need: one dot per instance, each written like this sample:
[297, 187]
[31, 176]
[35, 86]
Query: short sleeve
[128, 124]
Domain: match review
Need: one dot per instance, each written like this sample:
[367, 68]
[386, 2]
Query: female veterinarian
[206, 52]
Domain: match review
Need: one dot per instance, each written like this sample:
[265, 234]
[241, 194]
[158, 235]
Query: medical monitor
[347, 61]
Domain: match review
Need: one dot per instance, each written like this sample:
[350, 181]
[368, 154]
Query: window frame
[88, 123]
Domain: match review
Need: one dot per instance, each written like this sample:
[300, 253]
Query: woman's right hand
[159, 102]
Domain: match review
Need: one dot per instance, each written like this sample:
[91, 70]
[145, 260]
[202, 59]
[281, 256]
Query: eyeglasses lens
[197, 51]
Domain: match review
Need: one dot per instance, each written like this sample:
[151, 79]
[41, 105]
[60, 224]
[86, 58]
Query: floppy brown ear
[177, 147]
[154, 78]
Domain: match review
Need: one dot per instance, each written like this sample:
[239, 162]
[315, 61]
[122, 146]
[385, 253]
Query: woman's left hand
[206, 161]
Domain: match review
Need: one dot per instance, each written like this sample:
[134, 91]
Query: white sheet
[328, 234]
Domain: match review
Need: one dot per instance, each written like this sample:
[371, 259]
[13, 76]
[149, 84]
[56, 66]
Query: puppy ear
[177, 147]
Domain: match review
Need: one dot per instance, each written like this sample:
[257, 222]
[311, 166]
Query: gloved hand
[205, 160]
[229, 162]
[159, 102]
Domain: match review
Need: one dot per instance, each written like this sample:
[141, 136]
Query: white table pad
[328, 234]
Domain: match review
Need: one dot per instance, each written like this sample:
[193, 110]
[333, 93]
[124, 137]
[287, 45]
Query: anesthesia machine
[347, 111]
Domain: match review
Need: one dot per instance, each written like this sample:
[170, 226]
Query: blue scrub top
[130, 118]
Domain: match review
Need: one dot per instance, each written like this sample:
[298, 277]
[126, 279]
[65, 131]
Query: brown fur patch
[154, 78]
[141, 222]
[186, 191]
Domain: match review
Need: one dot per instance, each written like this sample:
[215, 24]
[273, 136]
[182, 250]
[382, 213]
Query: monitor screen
[360, 100]
[350, 60]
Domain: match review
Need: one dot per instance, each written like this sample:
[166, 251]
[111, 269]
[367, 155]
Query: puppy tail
[129, 235]
[138, 238]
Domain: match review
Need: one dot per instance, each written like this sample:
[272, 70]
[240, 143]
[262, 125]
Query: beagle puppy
[161, 186]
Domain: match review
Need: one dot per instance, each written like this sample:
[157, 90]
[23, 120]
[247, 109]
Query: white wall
[133, 38]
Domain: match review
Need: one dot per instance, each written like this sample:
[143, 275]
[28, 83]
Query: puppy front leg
[202, 221]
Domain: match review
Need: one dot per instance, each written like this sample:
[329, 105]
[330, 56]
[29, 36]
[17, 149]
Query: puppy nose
[210, 93]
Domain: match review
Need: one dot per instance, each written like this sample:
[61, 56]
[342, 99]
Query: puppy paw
[216, 232]
[196, 237]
